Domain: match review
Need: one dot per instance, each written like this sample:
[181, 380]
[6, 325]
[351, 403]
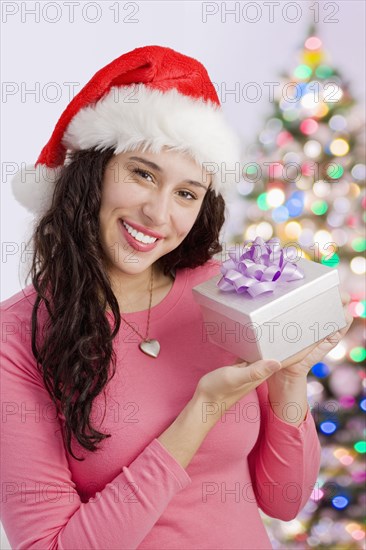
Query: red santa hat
[150, 97]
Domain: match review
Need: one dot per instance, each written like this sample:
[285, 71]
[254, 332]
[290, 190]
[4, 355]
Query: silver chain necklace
[149, 346]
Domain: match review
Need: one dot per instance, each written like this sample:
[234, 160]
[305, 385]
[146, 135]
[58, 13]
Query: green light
[360, 447]
[291, 115]
[358, 354]
[335, 171]
[323, 71]
[359, 244]
[319, 207]
[262, 201]
[363, 303]
[303, 72]
[251, 170]
[333, 261]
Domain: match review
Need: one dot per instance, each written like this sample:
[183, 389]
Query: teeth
[138, 235]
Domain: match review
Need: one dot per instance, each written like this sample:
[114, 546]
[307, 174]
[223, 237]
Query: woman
[123, 427]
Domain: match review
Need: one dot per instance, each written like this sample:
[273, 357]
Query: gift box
[267, 305]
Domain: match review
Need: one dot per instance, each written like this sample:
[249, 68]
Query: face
[150, 202]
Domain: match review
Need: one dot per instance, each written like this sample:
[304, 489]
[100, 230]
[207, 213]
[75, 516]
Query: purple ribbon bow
[258, 270]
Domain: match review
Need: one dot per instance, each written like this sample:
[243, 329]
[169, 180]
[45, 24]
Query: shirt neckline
[160, 309]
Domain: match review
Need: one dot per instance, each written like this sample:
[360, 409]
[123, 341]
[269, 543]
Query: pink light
[359, 476]
[307, 169]
[313, 43]
[346, 460]
[353, 306]
[275, 170]
[317, 494]
[308, 126]
[357, 534]
[347, 401]
[283, 138]
[352, 221]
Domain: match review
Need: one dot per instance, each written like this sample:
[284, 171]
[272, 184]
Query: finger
[259, 371]
[345, 297]
[240, 362]
[254, 373]
[335, 337]
[349, 321]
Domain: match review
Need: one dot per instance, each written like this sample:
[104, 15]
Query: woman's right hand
[225, 385]
[229, 384]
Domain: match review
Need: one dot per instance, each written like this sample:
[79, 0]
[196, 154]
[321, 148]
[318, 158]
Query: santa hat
[150, 97]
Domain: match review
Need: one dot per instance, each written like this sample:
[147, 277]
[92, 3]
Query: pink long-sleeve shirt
[132, 493]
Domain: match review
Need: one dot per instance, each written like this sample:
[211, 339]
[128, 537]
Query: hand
[230, 383]
[300, 364]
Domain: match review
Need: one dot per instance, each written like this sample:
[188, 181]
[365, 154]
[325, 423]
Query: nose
[157, 207]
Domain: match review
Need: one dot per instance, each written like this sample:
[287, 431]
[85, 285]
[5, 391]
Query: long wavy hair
[76, 356]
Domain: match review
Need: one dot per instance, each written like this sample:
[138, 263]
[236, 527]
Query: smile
[140, 237]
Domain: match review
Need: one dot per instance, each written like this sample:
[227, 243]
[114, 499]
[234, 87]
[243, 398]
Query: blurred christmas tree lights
[305, 184]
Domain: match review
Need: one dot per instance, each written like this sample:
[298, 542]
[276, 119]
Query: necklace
[148, 346]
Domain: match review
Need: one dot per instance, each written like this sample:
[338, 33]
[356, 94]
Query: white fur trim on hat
[33, 186]
[136, 116]
[130, 117]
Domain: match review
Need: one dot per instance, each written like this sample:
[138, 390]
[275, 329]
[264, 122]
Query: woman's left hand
[299, 365]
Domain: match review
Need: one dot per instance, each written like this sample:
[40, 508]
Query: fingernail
[275, 365]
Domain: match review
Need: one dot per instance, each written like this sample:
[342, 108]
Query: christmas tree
[304, 183]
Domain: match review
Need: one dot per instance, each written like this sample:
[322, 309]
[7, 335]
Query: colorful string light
[312, 192]
[328, 427]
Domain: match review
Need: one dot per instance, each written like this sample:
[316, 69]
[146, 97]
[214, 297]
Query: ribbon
[258, 270]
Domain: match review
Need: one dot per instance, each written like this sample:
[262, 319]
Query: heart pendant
[150, 347]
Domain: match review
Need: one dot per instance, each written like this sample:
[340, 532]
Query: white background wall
[249, 46]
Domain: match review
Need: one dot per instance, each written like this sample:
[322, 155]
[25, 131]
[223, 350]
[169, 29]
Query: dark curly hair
[71, 282]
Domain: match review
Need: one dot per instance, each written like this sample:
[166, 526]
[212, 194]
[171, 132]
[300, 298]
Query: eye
[193, 197]
[142, 173]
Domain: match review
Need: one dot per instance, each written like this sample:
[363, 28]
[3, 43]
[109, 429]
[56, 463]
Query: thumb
[270, 363]
[255, 372]
[260, 370]
[273, 363]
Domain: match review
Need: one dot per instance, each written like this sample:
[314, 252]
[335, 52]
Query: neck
[132, 286]
[133, 292]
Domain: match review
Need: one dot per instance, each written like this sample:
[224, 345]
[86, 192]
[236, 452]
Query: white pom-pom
[33, 187]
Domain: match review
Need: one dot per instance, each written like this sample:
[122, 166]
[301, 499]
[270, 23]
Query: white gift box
[274, 325]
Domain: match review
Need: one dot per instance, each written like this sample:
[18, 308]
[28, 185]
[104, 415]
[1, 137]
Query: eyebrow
[160, 170]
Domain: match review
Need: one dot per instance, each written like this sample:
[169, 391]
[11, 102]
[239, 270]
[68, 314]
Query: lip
[143, 229]
[141, 247]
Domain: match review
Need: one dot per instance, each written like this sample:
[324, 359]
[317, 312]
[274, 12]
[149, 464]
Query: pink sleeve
[284, 463]
[41, 507]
